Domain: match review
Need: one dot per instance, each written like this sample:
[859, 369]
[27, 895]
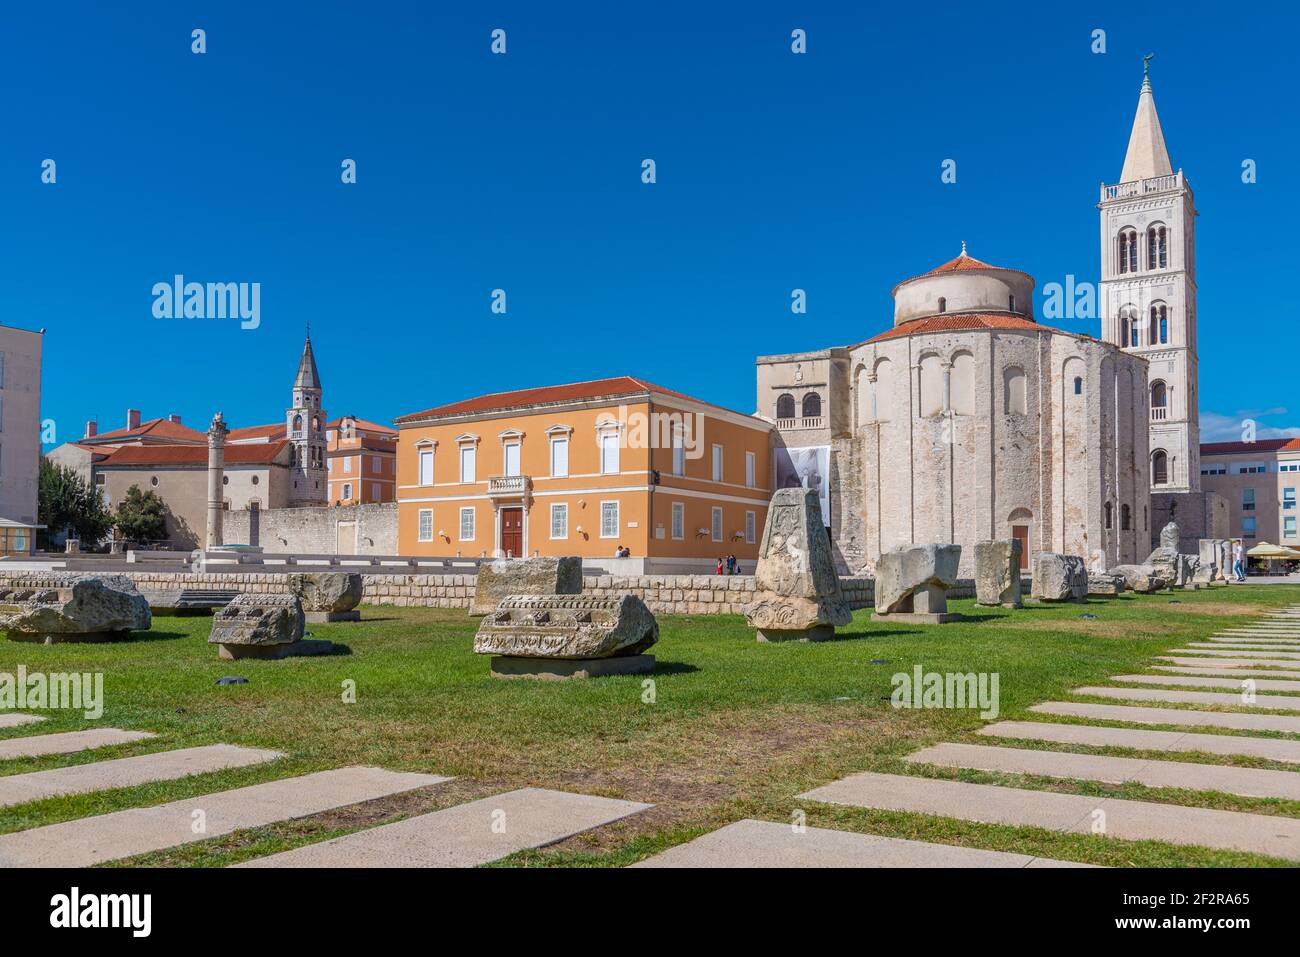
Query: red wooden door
[512, 532]
[1021, 534]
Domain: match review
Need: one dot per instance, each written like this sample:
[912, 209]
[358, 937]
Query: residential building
[1260, 481]
[362, 460]
[585, 469]
[20, 438]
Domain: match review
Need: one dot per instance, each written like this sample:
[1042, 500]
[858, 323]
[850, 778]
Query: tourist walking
[1239, 561]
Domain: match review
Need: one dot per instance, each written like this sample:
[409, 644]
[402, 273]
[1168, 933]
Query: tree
[141, 516]
[68, 503]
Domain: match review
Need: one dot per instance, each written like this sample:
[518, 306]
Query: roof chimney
[92, 427]
[133, 418]
[174, 419]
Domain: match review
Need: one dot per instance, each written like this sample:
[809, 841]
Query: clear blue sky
[522, 172]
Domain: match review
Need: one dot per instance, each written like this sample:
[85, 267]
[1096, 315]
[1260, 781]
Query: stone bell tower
[305, 422]
[1148, 291]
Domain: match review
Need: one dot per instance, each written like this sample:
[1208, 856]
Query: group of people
[729, 565]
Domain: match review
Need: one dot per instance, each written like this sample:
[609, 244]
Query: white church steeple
[1148, 291]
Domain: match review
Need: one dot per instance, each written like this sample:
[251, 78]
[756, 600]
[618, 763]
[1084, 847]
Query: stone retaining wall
[681, 594]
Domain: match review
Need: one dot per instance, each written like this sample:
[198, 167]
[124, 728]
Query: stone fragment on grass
[263, 626]
[1060, 577]
[997, 573]
[912, 583]
[77, 608]
[542, 575]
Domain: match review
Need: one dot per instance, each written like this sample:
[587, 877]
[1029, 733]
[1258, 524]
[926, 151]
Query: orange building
[585, 469]
[362, 460]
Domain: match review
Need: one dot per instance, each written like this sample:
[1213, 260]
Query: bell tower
[1148, 291]
[305, 422]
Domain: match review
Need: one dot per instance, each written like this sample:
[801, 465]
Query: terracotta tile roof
[154, 428]
[274, 431]
[257, 453]
[1259, 445]
[363, 424]
[956, 322]
[616, 387]
[960, 264]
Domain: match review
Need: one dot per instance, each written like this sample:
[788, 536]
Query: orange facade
[584, 477]
[361, 462]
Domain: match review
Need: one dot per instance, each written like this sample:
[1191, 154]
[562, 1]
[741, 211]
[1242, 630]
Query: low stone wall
[679, 594]
[327, 530]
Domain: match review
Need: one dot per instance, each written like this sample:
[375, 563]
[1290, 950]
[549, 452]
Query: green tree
[68, 503]
[141, 516]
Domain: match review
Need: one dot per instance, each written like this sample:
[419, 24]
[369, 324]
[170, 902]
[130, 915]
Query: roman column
[216, 469]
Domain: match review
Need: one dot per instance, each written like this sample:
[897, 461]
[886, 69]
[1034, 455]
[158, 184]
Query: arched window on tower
[1011, 303]
[785, 406]
[1128, 250]
[812, 406]
[1159, 322]
[1159, 468]
[1125, 518]
[1159, 401]
[1108, 509]
[297, 423]
[943, 304]
[1157, 246]
[1128, 325]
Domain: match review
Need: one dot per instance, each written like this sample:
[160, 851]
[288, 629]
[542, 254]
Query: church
[968, 419]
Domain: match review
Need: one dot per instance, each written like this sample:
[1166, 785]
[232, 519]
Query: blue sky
[522, 172]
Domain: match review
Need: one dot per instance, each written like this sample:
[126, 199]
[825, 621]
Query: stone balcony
[1141, 187]
[510, 486]
[814, 422]
[1159, 413]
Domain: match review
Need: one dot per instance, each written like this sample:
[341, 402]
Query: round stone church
[968, 420]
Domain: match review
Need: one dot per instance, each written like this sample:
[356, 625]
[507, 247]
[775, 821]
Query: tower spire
[1147, 155]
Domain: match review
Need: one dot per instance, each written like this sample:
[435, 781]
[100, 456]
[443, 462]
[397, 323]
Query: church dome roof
[955, 322]
[967, 286]
[961, 263]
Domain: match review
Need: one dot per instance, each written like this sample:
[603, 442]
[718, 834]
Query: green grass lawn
[736, 728]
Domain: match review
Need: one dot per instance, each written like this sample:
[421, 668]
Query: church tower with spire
[306, 431]
[1148, 291]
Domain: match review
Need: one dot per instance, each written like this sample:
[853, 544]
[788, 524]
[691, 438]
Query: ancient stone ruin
[997, 573]
[1140, 578]
[525, 576]
[74, 608]
[327, 596]
[797, 593]
[1059, 577]
[263, 626]
[568, 636]
[1106, 585]
[912, 583]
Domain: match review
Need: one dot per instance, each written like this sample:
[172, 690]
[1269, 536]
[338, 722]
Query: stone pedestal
[327, 596]
[507, 666]
[263, 626]
[320, 617]
[912, 583]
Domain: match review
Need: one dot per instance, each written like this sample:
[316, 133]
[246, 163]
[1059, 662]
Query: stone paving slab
[67, 742]
[1277, 643]
[1068, 813]
[463, 836]
[1244, 662]
[767, 844]
[12, 719]
[1262, 639]
[1220, 671]
[1261, 684]
[1271, 648]
[127, 772]
[1136, 714]
[1266, 701]
[1247, 782]
[107, 837]
[1141, 739]
[1224, 651]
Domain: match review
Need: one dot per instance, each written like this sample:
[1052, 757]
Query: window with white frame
[560, 520]
[717, 463]
[347, 490]
[1288, 497]
[609, 519]
[347, 463]
[1288, 526]
[559, 456]
[679, 519]
[751, 527]
[511, 453]
[375, 465]
[608, 453]
[426, 466]
[468, 463]
[750, 471]
[467, 524]
[717, 523]
[426, 524]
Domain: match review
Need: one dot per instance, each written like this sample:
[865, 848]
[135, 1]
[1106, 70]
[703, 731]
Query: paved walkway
[1142, 739]
[12, 719]
[127, 772]
[463, 836]
[68, 742]
[106, 837]
[766, 844]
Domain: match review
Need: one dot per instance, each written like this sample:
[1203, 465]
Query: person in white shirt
[1239, 561]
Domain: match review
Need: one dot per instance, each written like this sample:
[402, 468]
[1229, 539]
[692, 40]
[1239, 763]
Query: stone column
[216, 471]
